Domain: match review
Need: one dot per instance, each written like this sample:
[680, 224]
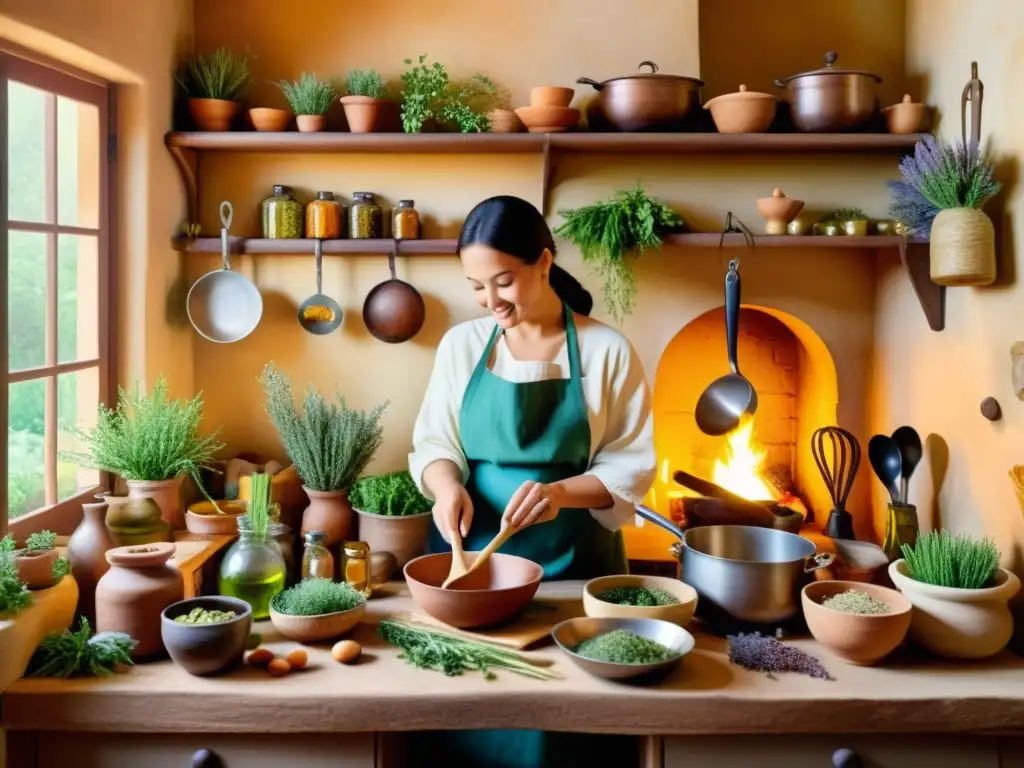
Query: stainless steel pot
[644, 102]
[831, 100]
[747, 573]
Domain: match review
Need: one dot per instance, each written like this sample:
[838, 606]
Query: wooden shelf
[256, 245]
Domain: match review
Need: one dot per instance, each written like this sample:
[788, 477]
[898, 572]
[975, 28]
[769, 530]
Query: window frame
[58, 79]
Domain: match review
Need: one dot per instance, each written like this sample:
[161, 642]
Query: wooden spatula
[460, 559]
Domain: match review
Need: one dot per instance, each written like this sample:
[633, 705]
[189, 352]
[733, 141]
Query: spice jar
[365, 218]
[357, 567]
[281, 215]
[405, 224]
[253, 568]
[317, 561]
[324, 219]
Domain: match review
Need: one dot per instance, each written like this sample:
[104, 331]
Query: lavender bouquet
[940, 176]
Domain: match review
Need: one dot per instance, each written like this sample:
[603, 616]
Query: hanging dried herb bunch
[609, 233]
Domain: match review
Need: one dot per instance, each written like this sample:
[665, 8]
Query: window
[55, 279]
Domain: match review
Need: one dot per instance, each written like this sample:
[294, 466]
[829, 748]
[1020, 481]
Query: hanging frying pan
[320, 314]
[394, 311]
[222, 305]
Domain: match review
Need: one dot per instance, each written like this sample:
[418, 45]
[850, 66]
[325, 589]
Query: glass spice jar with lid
[281, 215]
[365, 218]
[405, 222]
[317, 561]
[356, 568]
[324, 217]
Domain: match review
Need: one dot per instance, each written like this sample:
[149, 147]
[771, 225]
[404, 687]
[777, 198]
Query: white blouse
[614, 387]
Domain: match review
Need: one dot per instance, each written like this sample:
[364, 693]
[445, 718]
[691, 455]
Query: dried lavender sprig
[759, 653]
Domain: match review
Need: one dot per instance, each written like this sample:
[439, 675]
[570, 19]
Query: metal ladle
[320, 314]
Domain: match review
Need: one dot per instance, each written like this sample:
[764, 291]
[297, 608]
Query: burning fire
[740, 470]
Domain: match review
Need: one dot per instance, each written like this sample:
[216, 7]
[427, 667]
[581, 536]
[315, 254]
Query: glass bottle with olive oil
[253, 569]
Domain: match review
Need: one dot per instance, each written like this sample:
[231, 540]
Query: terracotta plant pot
[743, 111]
[134, 592]
[962, 248]
[364, 115]
[777, 211]
[856, 638]
[86, 551]
[310, 123]
[551, 96]
[315, 629]
[206, 649]
[166, 494]
[330, 512]
[267, 119]
[35, 567]
[959, 623]
[403, 536]
[212, 114]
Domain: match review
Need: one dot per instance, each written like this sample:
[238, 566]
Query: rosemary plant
[365, 82]
[308, 95]
[948, 560]
[76, 654]
[217, 75]
[329, 443]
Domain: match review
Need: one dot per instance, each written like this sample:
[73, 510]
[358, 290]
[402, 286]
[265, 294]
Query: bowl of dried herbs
[858, 622]
[639, 650]
[640, 597]
[206, 635]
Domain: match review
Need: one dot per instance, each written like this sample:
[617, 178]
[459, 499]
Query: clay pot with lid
[906, 117]
[777, 211]
[134, 592]
[743, 111]
[830, 100]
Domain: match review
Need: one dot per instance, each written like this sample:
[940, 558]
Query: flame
[740, 472]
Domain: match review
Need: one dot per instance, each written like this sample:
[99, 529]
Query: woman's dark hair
[513, 226]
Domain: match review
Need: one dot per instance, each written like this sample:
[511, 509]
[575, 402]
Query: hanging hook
[737, 228]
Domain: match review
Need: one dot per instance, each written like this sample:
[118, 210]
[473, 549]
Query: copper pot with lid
[646, 101]
[830, 100]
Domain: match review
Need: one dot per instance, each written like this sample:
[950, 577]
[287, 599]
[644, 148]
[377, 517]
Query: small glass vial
[281, 215]
[317, 561]
[365, 218]
[325, 219]
[357, 567]
[405, 223]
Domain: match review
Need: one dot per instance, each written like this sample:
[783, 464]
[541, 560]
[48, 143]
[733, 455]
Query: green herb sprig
[14, 595]
[429, 94]
[316, 597]
[453, 655]
[393, 494]
[76, 654]
[41, 540]
[60, 568]
[608, 233]
[947, 560]
[217, 75]
[365, 82]
[308, 95]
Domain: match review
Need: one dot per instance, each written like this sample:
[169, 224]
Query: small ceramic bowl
[316, 629]
[203, 519]
[548, 119]
[570, 633]
[679, 613]
[551, 96]
[267, 119]
[743, 111]
[856, 638]
[206, 649]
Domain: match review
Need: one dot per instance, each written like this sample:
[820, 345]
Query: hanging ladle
[320, 314]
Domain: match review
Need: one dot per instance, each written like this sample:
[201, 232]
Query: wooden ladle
[459, 567]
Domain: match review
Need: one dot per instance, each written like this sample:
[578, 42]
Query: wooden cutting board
[533, 625]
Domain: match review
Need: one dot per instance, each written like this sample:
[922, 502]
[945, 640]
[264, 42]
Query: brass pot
[644, 102]
[831, 100]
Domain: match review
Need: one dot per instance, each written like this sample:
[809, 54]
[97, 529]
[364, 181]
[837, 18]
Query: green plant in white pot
[393, 515]
[152, 442]
[959, 593]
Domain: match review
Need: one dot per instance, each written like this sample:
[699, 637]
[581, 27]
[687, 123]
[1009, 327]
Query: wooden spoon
[453, 575]
[459, 567]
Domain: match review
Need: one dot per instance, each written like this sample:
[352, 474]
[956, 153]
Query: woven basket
[963, 249]
[1017, 476]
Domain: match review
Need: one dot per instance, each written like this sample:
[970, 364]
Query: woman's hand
[453, 511]
[532, 503]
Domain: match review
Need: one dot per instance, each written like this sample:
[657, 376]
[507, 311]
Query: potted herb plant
[38, 565]
[310, 98]
[609, 232]
[847, 221]
[943, 190]
[330, 445]
[152, 442]
[393, 515]
[429, 97]
[365, 100]
[959, 593]
[214, 83]
[316, 609]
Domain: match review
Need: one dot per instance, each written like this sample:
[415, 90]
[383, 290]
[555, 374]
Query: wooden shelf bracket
[932, 296]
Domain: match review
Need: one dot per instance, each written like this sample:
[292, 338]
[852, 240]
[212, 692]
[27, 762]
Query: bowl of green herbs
[640, 597]
[316, 610]
[638, 650]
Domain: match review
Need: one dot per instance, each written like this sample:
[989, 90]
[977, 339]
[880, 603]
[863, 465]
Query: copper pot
[644, 102]
[394, 311]
[831, 100]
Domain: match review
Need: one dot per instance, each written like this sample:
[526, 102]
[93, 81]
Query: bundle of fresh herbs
[330, 444]
[393, 494]
[940, 176]
[308, 95]
[76, 654]
[257, 516]
[948, 560]
[639, 596]
[454, 655]
[316, 597]
[429, 94]
[623, 647]
[14, 595]
[609, 233]
[217, 75]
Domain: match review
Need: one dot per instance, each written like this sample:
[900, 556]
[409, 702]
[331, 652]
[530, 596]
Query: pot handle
[662, 522]
[651, 64]
[587, 81]
[818, 561]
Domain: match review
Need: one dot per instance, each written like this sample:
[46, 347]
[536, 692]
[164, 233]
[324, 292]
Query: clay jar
[134, 592]
[86, 551]
[35, 567]
[330, 512]
[166, 494]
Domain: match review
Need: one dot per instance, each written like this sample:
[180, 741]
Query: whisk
[837, 454]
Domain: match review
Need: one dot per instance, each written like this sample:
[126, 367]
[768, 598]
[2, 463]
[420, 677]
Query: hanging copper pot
[394, 311]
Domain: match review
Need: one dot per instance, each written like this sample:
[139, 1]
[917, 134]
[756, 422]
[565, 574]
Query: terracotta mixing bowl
[856, 638]
[495, 593]
[203, 519]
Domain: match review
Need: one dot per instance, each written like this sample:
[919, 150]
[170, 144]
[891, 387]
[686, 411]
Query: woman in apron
[538, 415]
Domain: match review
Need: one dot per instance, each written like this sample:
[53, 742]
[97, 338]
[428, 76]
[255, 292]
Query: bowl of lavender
[638, 650]
[858, 622]
[640, 597]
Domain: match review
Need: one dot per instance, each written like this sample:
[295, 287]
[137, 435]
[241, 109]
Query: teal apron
[512, 432]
